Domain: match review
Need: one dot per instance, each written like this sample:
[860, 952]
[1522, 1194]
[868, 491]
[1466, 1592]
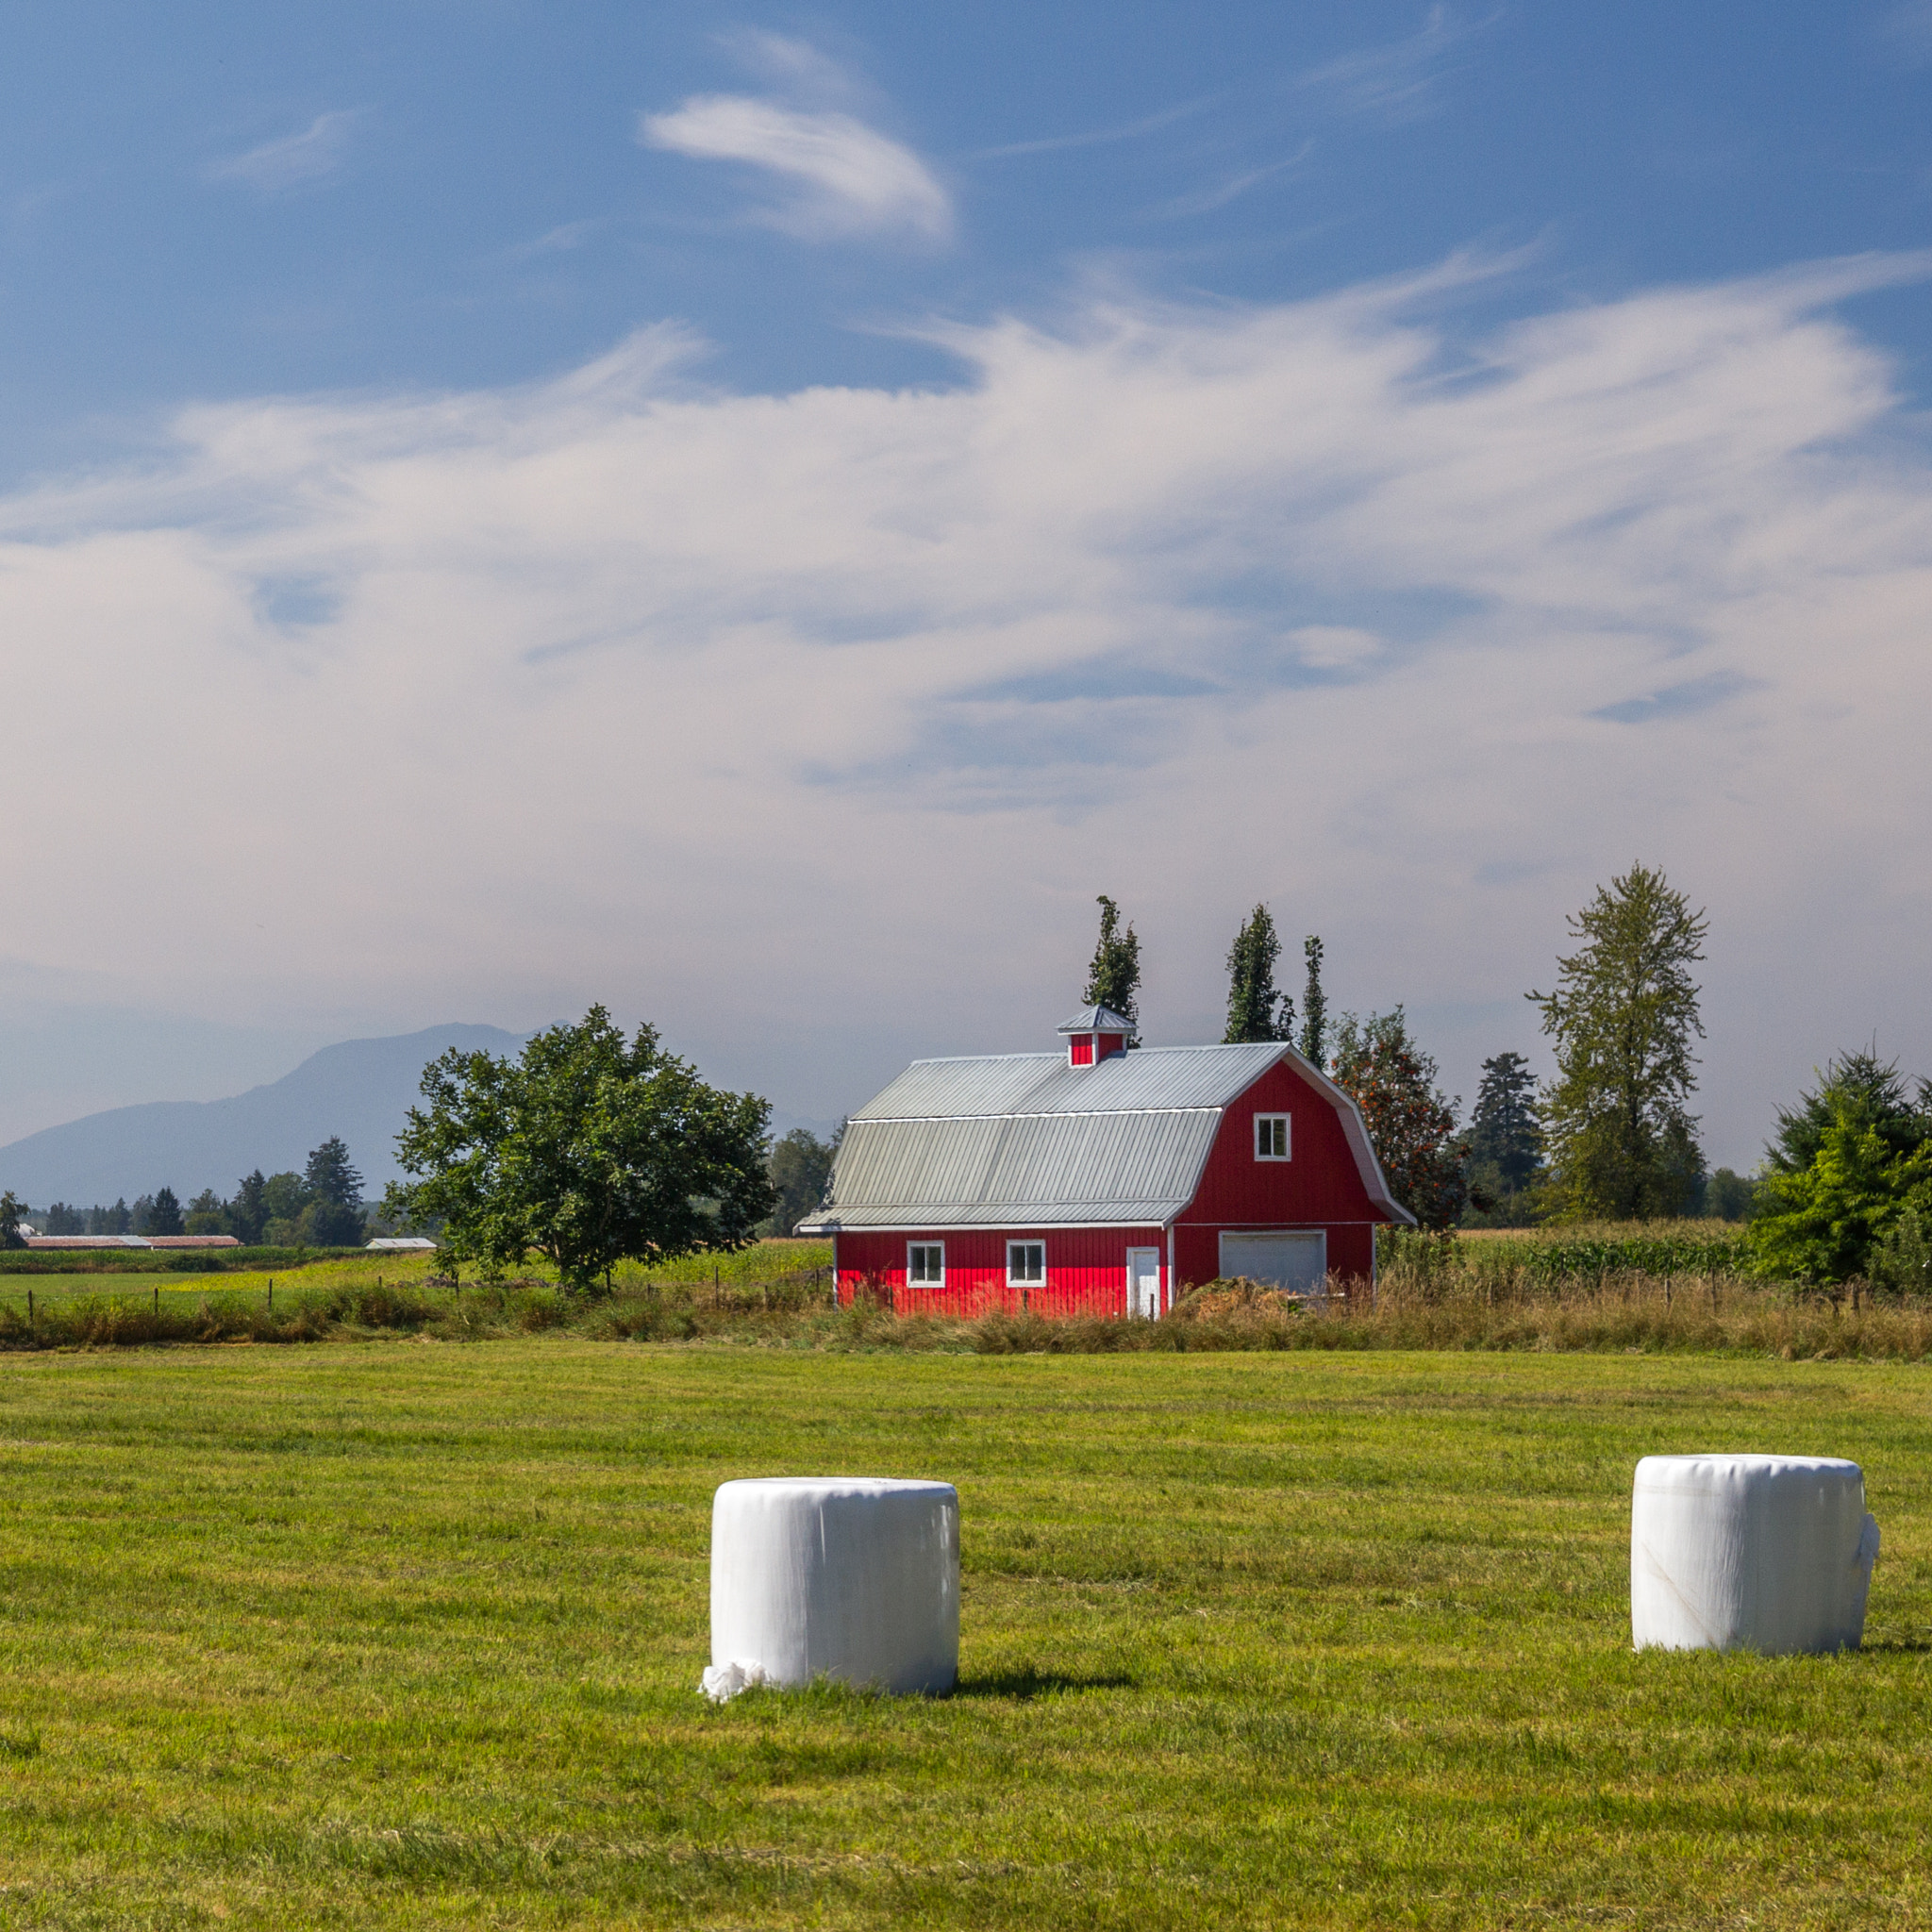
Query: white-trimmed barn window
[1025, 1264]
[1271, 1137]
[925, 1264]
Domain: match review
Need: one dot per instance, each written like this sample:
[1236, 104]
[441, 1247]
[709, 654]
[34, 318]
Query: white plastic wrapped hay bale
[852, 1577]
[1765, 1552]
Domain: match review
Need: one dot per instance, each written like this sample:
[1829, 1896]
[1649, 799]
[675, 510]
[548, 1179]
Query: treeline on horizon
[592, 1148]
[320, 1208]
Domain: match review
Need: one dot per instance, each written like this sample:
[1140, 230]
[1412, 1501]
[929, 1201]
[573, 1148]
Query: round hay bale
[1765, 1552]
[852, 1577]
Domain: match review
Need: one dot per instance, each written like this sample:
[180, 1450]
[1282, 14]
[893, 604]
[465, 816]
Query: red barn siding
[1319, 1187]
[1080, 1050]
[1085, 1270]
[1319, 1184]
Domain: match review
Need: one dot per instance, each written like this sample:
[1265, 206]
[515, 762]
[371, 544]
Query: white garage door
[1295, 1259]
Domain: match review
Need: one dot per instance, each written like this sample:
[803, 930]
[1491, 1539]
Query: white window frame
[1287, 1120]
[1014, 1280]
[925, 1281]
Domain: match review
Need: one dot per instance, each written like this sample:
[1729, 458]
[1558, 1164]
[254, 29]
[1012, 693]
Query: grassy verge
[408, 1637]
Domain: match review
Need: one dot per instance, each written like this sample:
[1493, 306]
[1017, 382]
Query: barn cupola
[1095, 1034]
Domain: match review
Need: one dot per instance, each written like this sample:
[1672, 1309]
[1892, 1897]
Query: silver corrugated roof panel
[1154, 1077]
[1097, 1020]
[1019, 1171]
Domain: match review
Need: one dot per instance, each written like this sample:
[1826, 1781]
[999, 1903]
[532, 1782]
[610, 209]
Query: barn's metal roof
[1025, 1141]
[1154, 1077]
[1097, 1020]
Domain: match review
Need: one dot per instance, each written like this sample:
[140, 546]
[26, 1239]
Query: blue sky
[757, 517]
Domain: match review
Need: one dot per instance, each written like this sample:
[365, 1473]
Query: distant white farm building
[401, 1243]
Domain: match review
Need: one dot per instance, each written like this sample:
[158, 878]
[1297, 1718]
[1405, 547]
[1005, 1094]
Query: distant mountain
[359, 1089]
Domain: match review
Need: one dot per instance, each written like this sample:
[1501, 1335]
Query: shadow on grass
[1024, 1686]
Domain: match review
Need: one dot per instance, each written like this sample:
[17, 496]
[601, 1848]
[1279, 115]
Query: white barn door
[1294, 1258]
[1143, 1282]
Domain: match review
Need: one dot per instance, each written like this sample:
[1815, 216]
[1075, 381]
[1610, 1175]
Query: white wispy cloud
[846, 179]
[1096, 137]
[1400, 81]
[1206, 200]
[292, 160]
[1416, 634]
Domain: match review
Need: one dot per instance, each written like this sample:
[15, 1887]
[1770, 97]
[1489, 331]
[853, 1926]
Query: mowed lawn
[408, 1634]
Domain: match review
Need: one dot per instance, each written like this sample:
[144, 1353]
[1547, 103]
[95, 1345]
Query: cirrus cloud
[846, 179]
[1417, 632]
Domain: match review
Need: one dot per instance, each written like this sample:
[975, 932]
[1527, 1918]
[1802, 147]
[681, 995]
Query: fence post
[29, 1308]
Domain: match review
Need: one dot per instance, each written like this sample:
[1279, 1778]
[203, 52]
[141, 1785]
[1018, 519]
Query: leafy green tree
[1254, 1010]
[164, 1215]
[1729, 1195]
[1410, 1123]
[1901, 1260]
[247, 1213]
[208, 1213]
[1314, 1039]
[326, 1224]
[1113, 978]
[284, 1196]
[800, 1167]
[1857, 1086]
[11, 1209]
[1505, 1136]
[1822, 1224]
[1619, 1143]
[586, 1148]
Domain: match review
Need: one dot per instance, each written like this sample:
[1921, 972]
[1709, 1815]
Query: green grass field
[408, 1634]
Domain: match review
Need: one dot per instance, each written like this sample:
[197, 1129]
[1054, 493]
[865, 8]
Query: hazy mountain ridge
[359, 1088]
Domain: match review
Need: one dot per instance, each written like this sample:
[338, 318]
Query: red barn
[1097, 1181]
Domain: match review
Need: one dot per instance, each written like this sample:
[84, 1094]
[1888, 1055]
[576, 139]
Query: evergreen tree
[119, 1219]
[1619, 1141]
[1254, 1010]
[1857, 1087]
[1824, 1222]
[62, 1218]
[1114, 978]
[1505, 1136]
[1410, 1123]
[1314, 1040]
[164, 1215]
[138, 1214]
[247, 1213]
[329, 1176]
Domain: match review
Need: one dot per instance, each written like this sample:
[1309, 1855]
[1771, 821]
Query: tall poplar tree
[1314, 1041]
[1620, 1140]
[1113, 979]
[1252, 1000]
